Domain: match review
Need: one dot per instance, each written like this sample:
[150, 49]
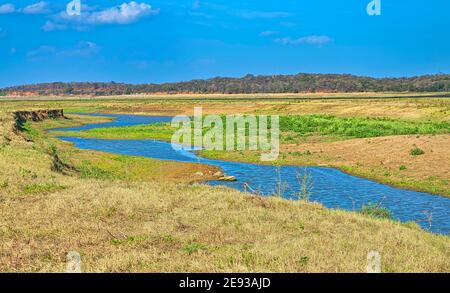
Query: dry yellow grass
[370, 106]
[132, 225]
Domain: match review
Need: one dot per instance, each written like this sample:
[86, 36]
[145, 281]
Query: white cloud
[37, 8]
[7, 8]
[125, 13]
[308, 40]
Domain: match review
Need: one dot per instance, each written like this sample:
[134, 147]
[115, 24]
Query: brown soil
[384, 154]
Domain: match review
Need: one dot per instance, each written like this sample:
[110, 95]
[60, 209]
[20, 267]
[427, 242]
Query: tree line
[298, 83]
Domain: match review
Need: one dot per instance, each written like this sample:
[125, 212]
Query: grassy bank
[127, 223]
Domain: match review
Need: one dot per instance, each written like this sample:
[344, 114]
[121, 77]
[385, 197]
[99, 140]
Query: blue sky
[158, 41]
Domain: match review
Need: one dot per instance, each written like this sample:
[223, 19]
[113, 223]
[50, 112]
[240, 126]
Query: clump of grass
[31, 134]
[416, 151]
[88, 170]
[27, 174]
[42, 188]
[4, 184]
[194, 247]
[127, 240]
[306, 184]
[402, 168]
[281, 185]
[303, 261]
[305, 153]
[374, 210]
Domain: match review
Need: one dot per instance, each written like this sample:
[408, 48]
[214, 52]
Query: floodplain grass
[301, 126]
[133, 225]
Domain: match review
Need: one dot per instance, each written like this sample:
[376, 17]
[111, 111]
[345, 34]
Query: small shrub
[4, 184]
[416, 151]
[402, 168]
[303, 261]
[376, 211]
[306, 185]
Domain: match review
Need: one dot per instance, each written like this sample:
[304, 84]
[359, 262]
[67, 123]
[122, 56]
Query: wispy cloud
[41, 52]
[37, 8]
[196, 4]
[125, 13]
[7, 8]
[82, 49]
[53, 26]
[308, 40]
[263, 14]
[288, 23]
[267, 33]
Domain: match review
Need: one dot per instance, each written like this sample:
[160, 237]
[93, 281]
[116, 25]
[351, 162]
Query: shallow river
[331, 187]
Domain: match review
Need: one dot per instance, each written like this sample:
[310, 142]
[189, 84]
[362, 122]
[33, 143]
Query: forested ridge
[298, 83]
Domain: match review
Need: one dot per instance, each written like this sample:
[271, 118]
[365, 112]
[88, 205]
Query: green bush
[416, 151]
[376, 211]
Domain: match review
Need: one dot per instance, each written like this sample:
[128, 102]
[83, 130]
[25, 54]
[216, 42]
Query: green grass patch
[292, 128]
[31, 133]
[39, 188]
[194, 247]
[89, 170]
[356, 127]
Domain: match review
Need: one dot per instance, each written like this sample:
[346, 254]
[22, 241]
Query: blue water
[331, 187]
